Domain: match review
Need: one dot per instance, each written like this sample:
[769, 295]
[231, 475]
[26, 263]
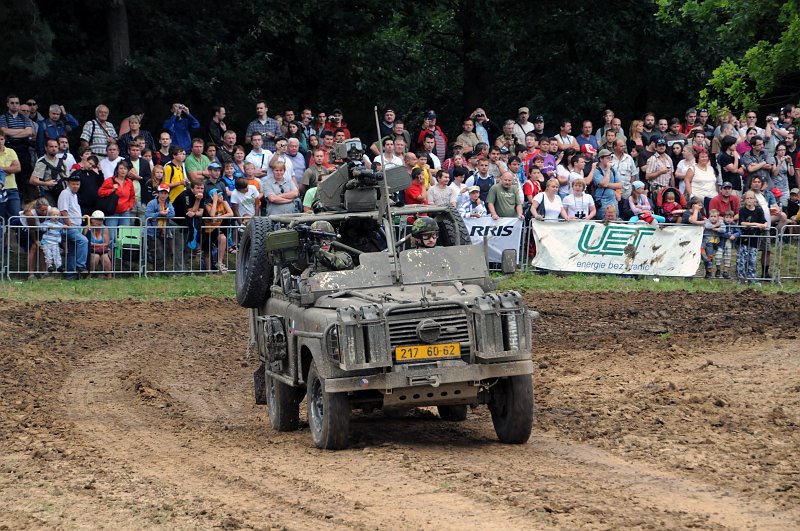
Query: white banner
[618, 248]
[501, 234]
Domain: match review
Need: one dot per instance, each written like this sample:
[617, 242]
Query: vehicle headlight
[332, 342]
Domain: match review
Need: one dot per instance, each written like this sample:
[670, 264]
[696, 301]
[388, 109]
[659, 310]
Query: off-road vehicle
[406, 327]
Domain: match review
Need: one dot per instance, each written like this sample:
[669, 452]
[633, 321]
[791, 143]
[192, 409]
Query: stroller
[658, 208]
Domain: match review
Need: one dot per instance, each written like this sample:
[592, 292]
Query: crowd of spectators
[686, 169]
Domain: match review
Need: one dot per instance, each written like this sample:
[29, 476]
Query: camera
[580, 215]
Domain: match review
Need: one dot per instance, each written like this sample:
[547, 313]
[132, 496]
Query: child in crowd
[712, 236]
[228, 179]
[752, 222]
[252, 180]
[672, 209]
[729, 238]
[245, 200]
[474, 208]
[99, 244]
[51, 240]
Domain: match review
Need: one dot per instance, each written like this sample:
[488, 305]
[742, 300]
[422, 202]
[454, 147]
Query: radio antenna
[385, 200]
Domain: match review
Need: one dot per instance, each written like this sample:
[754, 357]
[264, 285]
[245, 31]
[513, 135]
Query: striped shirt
[97, 136]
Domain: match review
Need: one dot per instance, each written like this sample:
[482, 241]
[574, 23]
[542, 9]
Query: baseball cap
[603, 153]
[98, 214]
[214, 165]
[660, 141]
[539, 118]
[474, 189]
[523, 110]
[163, 188]
[588, 148]
[794, 191]
[727, 184]
[336, 111]
[430, 115]
[74, 176]
[638, 185]
[504, 150]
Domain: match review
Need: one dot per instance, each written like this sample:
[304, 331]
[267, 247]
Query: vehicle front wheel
[453, 413]
[328, 414]
[283, 405]
[511, 405]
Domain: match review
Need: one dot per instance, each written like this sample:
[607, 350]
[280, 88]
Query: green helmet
[322, 226]
[423, 225]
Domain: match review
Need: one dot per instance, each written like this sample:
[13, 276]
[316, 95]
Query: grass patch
[222, 286]
[582, 282]
[151, 288]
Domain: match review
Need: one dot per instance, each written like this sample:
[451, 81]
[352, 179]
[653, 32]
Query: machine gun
[353, 187]
[297, 246]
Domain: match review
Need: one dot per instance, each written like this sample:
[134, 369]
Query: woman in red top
[121, 185]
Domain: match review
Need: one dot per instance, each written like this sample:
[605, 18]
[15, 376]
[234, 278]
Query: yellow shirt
[174, 174]
[426, 173]
[7, 158]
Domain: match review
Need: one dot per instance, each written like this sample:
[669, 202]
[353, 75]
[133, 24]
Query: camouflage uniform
[332, 261]
[327, 260]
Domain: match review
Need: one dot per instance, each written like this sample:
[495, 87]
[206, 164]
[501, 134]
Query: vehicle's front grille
[452, 322]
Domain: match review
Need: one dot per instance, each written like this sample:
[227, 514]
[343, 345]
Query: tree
[762, 38]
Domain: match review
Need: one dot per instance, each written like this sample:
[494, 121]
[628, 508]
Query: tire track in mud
[288, 484]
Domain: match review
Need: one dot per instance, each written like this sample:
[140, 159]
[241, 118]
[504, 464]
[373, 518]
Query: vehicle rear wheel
[328, 414]
[511, 405]
[254, 272]
[453, 413]
[283, 405]
[452, 229]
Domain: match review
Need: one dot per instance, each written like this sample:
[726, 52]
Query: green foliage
[762, 38]
[27, 40]
[450, 55]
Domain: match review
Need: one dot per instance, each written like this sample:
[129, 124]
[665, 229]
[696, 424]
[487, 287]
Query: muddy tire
[453, 413]
[511, 405]
[254, 272]
[452, 229]
[283, 405]
[328, 414]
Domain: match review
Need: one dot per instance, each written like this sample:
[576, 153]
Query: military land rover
[403, 328]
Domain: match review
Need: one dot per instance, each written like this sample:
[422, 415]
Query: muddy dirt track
[140, 415]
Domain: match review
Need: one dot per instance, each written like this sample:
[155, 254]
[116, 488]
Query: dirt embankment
[141, 415]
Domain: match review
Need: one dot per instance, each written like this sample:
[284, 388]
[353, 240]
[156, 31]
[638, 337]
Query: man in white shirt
[109, 164]
[390, 158]
[625, 167]
[296, 158]
[522, 126]
[63, 152]
[77, 244]
[258, 156]
[428, 144]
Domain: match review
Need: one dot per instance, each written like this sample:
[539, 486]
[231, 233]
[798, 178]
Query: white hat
[98, 214]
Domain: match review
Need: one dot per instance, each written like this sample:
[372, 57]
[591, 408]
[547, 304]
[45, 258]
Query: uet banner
[618, 248]
[500, 234]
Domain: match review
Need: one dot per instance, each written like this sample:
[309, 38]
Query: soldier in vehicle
[325, 259]
[424, 233]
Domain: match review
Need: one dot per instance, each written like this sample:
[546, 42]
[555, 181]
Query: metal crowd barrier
[769, 247]
[3, 249]
[177, 247]
[182, 247]
[789, 253]
[26, 256]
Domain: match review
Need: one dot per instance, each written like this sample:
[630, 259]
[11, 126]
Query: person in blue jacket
[180, 125]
